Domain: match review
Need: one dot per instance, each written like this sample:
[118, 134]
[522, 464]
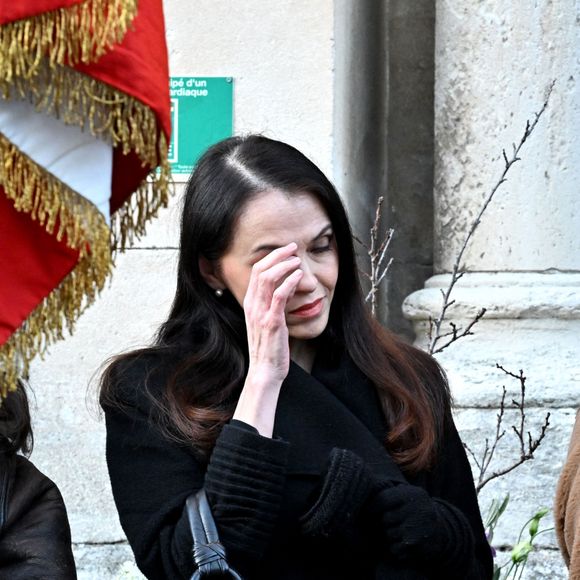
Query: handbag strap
[209, 553]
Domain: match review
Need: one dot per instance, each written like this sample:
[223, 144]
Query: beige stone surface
[280, 55]
[494, 60]
[106, 562]
[532, 322]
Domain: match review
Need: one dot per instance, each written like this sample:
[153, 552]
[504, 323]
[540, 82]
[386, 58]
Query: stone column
[494, 61]
[383, 135]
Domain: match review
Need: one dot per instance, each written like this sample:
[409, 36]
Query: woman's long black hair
[15, 425]
[207, 334]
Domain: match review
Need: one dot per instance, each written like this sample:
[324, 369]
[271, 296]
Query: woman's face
[274, 219]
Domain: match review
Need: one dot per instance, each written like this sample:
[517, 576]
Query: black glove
[346, 486]
[421, 529]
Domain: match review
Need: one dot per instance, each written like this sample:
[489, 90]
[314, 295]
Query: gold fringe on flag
[69, 216]
[79, 33]
[129, 221]
[113, 116]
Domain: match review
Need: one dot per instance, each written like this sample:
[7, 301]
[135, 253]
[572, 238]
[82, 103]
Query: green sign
[201, 115]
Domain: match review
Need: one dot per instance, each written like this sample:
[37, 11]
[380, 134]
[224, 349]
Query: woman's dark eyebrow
[323, 231]
[270, 247]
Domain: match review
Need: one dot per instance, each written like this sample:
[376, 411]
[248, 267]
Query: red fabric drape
[11, 10]
[139, 68]
[32, 265]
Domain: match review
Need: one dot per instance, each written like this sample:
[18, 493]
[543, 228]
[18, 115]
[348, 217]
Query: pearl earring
[219, 292]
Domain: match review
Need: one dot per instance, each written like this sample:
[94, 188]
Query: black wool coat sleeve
[260, 488]
[152, 477]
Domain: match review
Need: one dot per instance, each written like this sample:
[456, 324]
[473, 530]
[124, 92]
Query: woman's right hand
[273, 282]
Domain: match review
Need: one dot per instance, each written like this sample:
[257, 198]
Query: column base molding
[532, 322]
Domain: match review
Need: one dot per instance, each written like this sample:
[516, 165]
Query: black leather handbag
[209, 553]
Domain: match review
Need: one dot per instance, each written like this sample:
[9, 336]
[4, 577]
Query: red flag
[84, 127]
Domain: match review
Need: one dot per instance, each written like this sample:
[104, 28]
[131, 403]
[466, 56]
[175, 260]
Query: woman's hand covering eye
[273, 282]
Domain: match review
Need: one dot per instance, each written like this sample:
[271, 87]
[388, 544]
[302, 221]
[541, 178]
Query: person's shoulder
[26, 470]
[31, 483]
[135, 377]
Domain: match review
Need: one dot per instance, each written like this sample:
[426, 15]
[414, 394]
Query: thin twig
[357, 239]
[473, 456]
[377, 253]
[455, 334]
[487, 457]
[457, 272]
[527, 448]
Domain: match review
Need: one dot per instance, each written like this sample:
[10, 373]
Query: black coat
[35, 540]
[259, 488]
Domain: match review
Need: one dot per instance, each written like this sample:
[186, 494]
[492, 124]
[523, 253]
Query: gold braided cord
[82, 32]
[69, 216]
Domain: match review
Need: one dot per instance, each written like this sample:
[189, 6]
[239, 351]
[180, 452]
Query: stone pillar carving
[493, 63]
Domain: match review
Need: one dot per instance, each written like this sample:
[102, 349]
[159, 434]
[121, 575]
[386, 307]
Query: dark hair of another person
[201, 393]
[15, 425]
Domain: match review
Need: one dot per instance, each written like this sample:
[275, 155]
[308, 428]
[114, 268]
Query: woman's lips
[309, 310]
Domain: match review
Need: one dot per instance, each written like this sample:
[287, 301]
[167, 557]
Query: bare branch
[357, 239]
[526, 448]
[488, 452]
[455, 334]
[526, 457]
[377, 253]
[385, 246]
[473, 456]
[509, 373]
[384, 272]
[457, 270]
[499, 433]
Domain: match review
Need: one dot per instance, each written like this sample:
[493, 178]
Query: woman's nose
[309, 281]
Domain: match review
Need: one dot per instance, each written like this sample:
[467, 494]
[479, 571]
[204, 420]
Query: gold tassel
[129, 221]
[48, 321]
[50, 202]
[82, 32]
[77, 99]
[113, 116]
[83, 227]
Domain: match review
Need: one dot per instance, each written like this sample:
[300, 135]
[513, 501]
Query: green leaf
[495, 511]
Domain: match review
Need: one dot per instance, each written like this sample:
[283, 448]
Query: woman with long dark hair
[324, 443]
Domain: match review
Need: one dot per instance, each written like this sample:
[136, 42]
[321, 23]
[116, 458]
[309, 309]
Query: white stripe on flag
[74, 156]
